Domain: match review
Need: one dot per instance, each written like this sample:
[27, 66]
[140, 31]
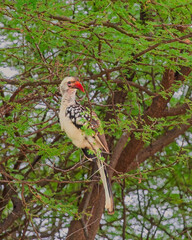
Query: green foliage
[110, 46]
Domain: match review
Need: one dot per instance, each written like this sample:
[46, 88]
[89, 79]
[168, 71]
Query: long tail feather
[109, 204]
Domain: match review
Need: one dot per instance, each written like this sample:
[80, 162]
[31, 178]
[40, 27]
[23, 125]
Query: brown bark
[16, 213]
[159, 144]
[179, 110]
[87, 226]
[9, 193]
[156, 110]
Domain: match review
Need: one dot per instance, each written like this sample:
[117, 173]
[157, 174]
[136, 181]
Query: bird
[75, 119]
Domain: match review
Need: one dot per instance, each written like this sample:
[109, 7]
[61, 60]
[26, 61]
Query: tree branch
[16, 213]
[156, 110]
[179, 110]
[159, 144]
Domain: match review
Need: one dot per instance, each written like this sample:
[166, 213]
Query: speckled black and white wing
[77, 114]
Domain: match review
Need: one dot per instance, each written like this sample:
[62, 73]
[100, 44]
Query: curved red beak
[78, 85]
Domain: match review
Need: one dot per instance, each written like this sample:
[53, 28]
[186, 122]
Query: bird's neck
[68, 98]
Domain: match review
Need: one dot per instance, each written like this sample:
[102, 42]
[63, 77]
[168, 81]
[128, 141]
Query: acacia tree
[134, 60]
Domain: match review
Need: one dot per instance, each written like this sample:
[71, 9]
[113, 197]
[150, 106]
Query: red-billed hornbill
[73, 117]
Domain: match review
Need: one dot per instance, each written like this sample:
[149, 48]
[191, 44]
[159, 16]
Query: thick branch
[87, 227]
[156, 110]
[179, 110]
[16, 213]
[159, 144]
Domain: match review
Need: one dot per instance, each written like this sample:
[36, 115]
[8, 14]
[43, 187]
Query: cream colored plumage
[71, 115]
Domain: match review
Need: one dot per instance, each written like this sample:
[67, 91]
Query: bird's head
[70, 84]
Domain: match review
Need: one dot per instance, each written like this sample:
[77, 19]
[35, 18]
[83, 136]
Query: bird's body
[67, 125]
[73, 117]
